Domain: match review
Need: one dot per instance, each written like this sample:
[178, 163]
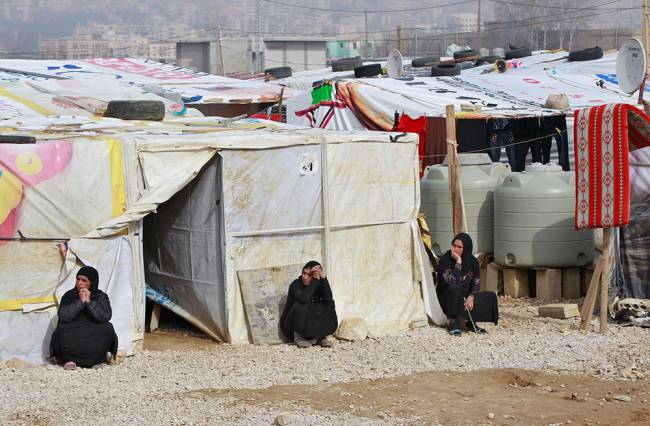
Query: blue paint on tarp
[611, 78]
[192, 99]
[53, 67]
[71, 67]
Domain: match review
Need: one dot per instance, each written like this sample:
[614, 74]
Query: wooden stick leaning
[455, 185]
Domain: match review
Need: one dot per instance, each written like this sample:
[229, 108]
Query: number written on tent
[308, 164]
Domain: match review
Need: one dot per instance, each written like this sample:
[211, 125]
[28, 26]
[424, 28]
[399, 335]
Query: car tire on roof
[136, 110]
[445, 70]
[277, 73]
[486, 60]
[586, 54]
[17, 139]
[466, 54]
[367, 70]
[521, 52]
[425, 61]
[346, 64]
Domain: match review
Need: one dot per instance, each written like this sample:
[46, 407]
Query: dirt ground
[512, 396]
[173, 340]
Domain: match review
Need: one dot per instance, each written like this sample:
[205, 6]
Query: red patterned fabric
[603, 136]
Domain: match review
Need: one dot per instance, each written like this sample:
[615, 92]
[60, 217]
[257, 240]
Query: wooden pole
[590, 300]
[325, 209]
[365, 18]
[646, 43]
[223, 67]
[455, 186]
[604, 279]
[399, 37]
[478, 27]
[280, 104]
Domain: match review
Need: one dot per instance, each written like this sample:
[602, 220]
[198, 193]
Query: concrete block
[571, 283]
[515, 282]
[494, 278]
[559, 310]
[549, 284]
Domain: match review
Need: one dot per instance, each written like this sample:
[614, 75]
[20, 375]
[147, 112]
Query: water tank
[479, 177]
[534, 217]
[498, 51]
[484, 52]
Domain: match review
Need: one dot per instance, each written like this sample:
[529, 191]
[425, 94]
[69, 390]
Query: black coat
[84, 334]
[310, 310]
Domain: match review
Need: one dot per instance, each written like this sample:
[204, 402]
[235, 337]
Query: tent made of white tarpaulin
[274, 198]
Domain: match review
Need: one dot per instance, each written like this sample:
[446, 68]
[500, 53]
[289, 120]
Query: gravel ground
[158, 387]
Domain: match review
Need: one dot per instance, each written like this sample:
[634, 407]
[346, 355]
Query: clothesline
[500, 146]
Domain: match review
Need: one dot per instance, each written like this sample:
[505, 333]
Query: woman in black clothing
[84, 335]
[309, 315]
[458, 287]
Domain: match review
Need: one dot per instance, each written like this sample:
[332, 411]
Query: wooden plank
[559, 310]
[155, 318]
[264, 293]
[515, 282]
[604, 279]
[549, 284]
[455, 188]
[571, 283]
[590, 300]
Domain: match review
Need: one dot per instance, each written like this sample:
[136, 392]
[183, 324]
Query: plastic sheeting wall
[273, 216]
[183, 252]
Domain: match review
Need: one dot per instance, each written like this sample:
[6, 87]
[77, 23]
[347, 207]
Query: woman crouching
[84, 335]
[309, 315]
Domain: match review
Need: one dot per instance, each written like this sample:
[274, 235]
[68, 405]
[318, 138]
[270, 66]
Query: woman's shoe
[454, 332]
[477, 330]
[325, 343]
[70, 365]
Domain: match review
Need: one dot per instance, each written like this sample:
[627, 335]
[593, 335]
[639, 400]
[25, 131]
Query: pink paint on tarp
[127, 66]
[35, 163]
[8, 227]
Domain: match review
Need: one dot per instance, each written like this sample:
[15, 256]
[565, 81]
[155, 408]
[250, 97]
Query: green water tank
[534, 217]
[479, 177]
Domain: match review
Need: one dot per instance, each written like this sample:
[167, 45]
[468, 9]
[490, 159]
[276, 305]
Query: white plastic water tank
[534, 220]
[498, 51]
[479, 177]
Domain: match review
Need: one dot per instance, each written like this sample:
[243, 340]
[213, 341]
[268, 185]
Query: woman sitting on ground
[84, 335]
[458, 287]
[309, 315]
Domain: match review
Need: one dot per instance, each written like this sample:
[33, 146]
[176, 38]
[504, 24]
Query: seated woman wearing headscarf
[309, 315]
[458, 287]
[84, 335]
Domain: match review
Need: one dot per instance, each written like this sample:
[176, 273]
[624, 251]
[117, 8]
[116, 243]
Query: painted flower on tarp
[26, 166]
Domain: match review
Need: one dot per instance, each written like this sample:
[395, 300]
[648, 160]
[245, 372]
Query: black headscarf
[468, 259]
[93, 276]
[310, 264]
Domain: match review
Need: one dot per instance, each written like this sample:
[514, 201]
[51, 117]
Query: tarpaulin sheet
[192, 85]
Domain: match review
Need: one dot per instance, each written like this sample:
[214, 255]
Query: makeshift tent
[90, 83]
[617, 192]
[262, 199]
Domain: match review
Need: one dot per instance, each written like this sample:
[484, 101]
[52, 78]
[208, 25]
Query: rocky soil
[405, 378]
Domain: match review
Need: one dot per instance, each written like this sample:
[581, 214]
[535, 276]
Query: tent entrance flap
[183, 253]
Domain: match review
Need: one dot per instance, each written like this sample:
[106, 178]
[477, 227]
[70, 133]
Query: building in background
[299, 53]
[350, 49]
[464, 22]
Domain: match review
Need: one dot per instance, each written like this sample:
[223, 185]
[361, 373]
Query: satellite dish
[395, 64]
[631, 66]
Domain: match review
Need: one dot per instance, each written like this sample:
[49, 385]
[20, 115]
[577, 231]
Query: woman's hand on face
[317, 272]
[455, 256]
